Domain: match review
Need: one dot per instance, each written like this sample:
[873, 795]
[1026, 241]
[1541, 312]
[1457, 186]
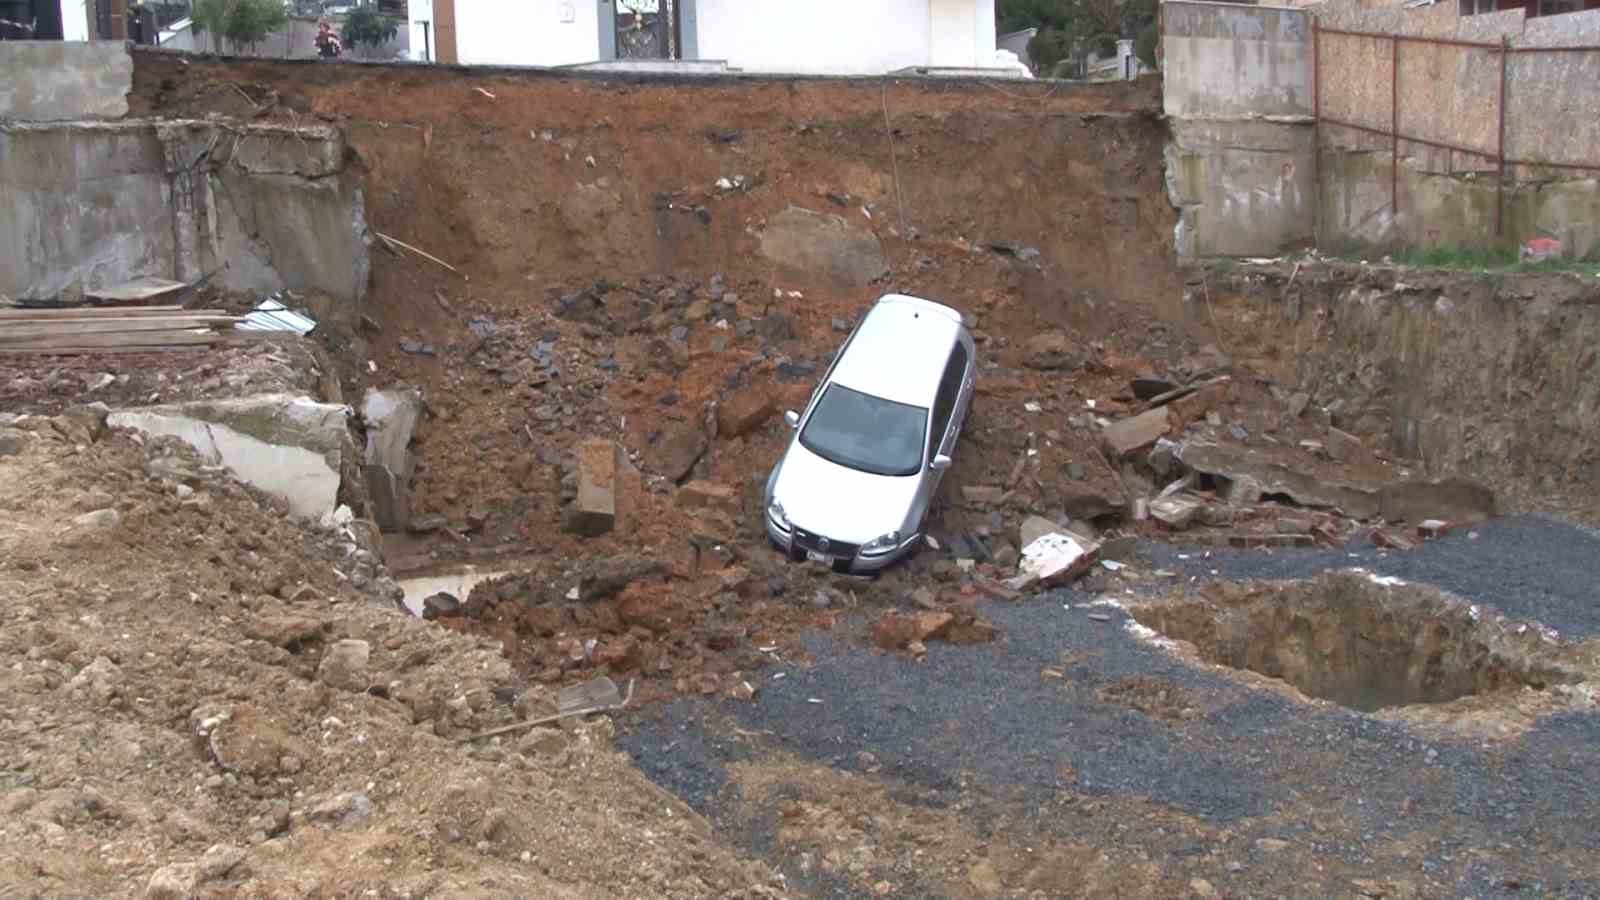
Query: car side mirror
[792, 417]
[940, 462]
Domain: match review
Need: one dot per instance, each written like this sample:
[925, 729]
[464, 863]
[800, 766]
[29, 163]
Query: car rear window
[866, 433]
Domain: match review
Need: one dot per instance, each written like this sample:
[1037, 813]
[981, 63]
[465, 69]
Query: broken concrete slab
[594, 511]
[1128, 435]
[391, 417]
[286, 445]
[1177, 512]
[1239, 464]
[1454, 500]
[814, 242]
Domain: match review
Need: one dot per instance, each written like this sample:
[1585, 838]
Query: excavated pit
[1363, 642]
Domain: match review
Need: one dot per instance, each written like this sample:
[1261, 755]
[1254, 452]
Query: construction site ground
[202, 701]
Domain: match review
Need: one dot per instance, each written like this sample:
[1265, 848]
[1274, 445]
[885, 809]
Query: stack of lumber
[133, 329]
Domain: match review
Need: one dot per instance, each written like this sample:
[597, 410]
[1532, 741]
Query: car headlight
[775, 512]
[882, 544]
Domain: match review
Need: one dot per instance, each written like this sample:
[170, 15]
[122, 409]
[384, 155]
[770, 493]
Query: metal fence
[1501, 51]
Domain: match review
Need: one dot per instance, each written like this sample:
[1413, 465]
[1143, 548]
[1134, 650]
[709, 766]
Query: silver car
[853, 488]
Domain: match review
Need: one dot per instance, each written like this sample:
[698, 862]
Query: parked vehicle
[853, 489]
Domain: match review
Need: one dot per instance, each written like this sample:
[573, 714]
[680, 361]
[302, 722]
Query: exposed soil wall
[1485, 375]
[524, 178]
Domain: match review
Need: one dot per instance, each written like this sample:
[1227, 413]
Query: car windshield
[867, 433]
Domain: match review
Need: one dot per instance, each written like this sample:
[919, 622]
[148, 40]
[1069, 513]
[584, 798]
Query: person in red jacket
[328, 45]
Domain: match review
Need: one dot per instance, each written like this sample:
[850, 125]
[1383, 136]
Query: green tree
[1069, 30]
[366, 26]
[242, 23]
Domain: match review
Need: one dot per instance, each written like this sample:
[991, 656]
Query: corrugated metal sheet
[272, 315]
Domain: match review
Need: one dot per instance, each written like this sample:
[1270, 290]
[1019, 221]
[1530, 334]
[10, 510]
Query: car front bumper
[864, 563]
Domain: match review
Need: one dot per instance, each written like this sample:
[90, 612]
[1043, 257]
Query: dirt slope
[187, 713]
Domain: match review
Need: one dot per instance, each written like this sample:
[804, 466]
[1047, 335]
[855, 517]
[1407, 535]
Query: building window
[1474, 7]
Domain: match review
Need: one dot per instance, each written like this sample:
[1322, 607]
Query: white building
[835, 37]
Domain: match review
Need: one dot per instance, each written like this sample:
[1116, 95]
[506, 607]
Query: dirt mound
[200, 704]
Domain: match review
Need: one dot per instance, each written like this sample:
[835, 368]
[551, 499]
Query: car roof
[900, 349]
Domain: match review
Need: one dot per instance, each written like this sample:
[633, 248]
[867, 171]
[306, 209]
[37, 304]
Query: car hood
[839, 502]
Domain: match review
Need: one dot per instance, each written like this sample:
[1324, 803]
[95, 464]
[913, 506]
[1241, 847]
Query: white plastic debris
[1053, 556]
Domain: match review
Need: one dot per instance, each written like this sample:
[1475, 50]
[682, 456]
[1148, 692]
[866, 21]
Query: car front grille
[808, 540]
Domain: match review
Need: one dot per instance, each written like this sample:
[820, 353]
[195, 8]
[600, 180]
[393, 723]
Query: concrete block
[594, 511]
[285, 445]
[391, 418]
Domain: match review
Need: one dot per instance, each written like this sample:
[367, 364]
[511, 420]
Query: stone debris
[344, 665]
[1126, 436]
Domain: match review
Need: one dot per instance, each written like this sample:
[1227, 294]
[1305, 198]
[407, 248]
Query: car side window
[944, 404]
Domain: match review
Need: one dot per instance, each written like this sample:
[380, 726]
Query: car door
[962, 374]
[941, 432]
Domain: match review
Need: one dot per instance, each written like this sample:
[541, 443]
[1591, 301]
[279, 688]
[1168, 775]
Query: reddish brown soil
[553, 184]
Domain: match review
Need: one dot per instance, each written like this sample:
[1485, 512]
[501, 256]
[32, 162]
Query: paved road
[979, 726]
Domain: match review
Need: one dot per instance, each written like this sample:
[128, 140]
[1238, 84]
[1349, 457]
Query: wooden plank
[14, 332]
[100, 312]
[113, 341]
[98, 351]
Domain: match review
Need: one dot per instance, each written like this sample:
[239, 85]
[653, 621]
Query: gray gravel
[1527, 567]
[1523, 814]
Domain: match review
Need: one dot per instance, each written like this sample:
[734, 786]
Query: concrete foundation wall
[1224, 60]
[1442, 210]
[92, 204]
[1242, 188]
[53, 81]
[1237, 89]
[1239, 94]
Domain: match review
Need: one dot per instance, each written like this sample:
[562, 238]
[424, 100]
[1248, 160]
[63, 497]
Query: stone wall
[91, 204]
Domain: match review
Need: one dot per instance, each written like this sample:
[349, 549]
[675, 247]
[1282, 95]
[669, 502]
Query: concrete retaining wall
[1237, 92]
[52, 81]
[95, 203]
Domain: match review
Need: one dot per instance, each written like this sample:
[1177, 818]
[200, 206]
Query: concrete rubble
[288, 446]
[391, 420]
